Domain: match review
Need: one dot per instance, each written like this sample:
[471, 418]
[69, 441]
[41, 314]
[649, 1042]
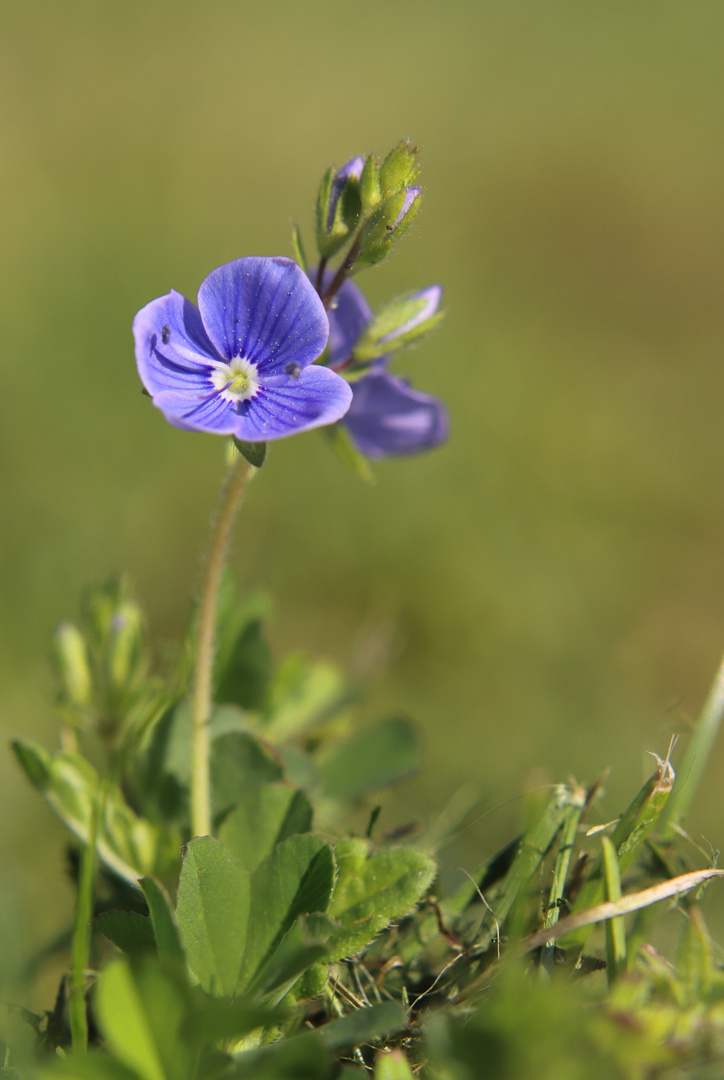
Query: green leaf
[254, 452]
[371, 758]
[244, 677]
[163, 920]
[372, 890]
[694, 961]
[301, 1058]
[35, 763]
[283, 971]
[214, 897]
[240, 762]
[129, 931]
[615, 928]
[387, 884]
[213, 1019]
[392, 1065]
[344, 449]
[304, 694]
[262, 819]
[127, 844]
[364, 1025]
[93, 1066]
[633, 827]
[140, 1010]
[297, 878]
[298, 249]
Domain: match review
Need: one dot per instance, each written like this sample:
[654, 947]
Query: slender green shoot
[632, 830]
[697, 754]
[529, 857]
[567, 841]
[615, 928]
[80, 949]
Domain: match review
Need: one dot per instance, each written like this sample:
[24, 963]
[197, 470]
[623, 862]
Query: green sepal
[298, 248]
[399, 169]
[323, 197]
[254, 452]
[349, 206]
[399, 311]
[379, 231]
[369, 184]
[346, 215]
[339, 440]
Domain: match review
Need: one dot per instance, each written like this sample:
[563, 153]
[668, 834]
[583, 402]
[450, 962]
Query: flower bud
[114, 623]
[399, 323]
[338, 206]
[70, 654]
[399, 170]
[387, 224]
[354, 169]
[125, 646]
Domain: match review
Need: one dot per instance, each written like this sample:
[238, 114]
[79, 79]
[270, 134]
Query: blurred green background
[552, 582]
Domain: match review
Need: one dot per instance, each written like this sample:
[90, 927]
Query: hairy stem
[338, 280]
[231, 496]
[320, 274]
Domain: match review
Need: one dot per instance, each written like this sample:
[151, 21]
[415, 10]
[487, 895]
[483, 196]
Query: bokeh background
[551, 584]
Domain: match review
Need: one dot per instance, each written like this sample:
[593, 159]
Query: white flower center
[237, 381]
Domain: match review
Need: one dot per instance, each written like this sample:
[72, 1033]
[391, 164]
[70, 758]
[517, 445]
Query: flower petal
[173, 351]
[348, 317]
[265, 310]
[387, 418]
[209, 412]
[316, 398]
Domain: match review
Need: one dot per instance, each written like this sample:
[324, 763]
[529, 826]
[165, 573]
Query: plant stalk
[80, 949]
[232, 494]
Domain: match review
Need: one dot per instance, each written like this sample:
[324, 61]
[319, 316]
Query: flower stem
[231, 495]
[80, 949]
[344, 268]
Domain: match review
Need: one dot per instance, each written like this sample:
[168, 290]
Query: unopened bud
[338, 206]
[70, 654]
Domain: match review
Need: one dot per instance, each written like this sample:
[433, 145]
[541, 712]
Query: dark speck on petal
[165, 335]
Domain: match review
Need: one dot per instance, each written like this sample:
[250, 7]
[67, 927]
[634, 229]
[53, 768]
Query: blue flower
[242, 362]
[387, 418]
